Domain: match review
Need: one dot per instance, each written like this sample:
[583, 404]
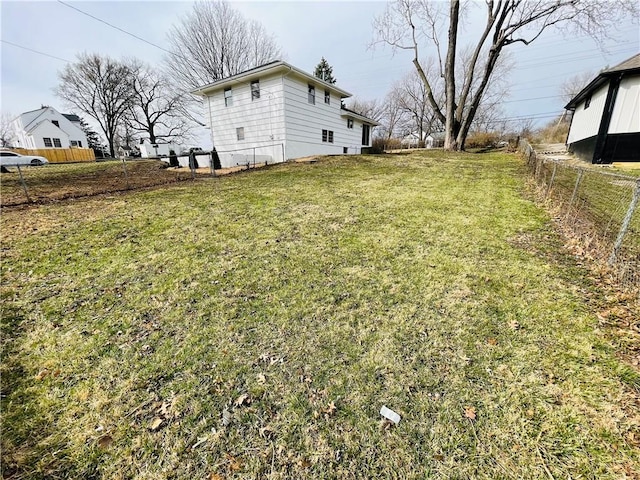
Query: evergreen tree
[324, 71]
[93, 138]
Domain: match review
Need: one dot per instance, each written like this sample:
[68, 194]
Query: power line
[34, 51]
[118, 28]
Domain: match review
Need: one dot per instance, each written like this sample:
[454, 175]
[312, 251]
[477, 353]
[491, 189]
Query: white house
[276, 112]
[48, 128]
[605, 126]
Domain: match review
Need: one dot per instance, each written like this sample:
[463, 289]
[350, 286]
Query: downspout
[284, 116]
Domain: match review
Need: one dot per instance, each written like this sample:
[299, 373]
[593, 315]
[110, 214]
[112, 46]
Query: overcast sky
[340, 31]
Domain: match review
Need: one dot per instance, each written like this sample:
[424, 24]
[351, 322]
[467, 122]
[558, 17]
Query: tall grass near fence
[598, 210]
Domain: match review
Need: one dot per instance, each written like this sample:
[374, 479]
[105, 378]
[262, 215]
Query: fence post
[553, 176]
[254, 157]
[24, 185]
[625, 223]
[126, 175]
[211, 165]
[282, 145]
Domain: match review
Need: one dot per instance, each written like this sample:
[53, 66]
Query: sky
[39, 38]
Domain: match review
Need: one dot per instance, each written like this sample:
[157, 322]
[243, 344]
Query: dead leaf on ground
[234, 463]
[105, 441]
[330, 410]
[470, 413]
[492, 341]
[261, 379]
[438, 457]
[42, 374]
[514, 325]
[215, 476]
[242, 400]
[155, 423]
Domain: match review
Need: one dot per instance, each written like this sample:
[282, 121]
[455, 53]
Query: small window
[47, 142]
[255, 89]
[345, 149]
[240, 133]
[312, 94]
[587, 102]
[228, 97]
[327, 136]
[79, 144]
[56, 143]
[55, 122]
[349, 122]
[327, 97]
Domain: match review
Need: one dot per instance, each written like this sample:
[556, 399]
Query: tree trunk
[451, 125]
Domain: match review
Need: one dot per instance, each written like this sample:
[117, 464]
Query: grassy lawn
[253, 326]
[61, 181]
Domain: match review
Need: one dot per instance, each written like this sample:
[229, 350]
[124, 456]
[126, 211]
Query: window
[312, 94]
[47, 142]
[76, 143]
[8, 154]
[255, 89]
[365, 135]
[56, 143]
[240, 133]
[228, 97]
[327, 136]
[55, 122]
[345, 149]
[327, 97]
[587, 102]
[349, 122]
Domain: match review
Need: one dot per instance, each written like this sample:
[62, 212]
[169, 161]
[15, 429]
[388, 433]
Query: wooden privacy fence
[60, 155]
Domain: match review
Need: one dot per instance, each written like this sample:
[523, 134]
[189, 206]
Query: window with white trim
[327, 136]
[327, 97]
[56, 143]
[255, 89]
[349, 122]
[311, 95]
[47, 142]
[228, 97]
[240, 133]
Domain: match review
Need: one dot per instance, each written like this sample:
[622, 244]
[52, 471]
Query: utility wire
[118, 28]
[34, 51]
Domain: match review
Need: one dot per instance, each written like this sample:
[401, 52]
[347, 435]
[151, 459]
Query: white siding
[586, 122]
[49, 130]
[305, 122]
[262, 120]
[626, 112]
[32, 127]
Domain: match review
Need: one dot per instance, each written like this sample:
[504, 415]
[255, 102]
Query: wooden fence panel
[60, 155]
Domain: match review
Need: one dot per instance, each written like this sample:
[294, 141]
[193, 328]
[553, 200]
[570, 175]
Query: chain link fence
[598, 210]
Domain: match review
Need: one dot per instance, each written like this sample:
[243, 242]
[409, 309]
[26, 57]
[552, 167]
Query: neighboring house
[155, 150]
[48, 128]
[605, 126]
[413, 140]
[278, 112]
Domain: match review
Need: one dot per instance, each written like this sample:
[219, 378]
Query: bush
[482, 140]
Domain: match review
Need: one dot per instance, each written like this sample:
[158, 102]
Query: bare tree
[155, 109]
[215, 41]
[7, 133]
[573, 85]
[100, 87]
[369, 108]
[412, 24]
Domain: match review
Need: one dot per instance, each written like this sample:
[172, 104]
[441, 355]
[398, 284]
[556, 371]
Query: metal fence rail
[598, 209]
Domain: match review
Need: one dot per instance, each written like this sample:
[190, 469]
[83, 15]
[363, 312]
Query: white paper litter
[389, 414]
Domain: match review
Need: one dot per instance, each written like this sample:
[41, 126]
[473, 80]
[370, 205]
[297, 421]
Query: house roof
[345, 112]
[272, 67]
[71, 117]
[630, 65]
